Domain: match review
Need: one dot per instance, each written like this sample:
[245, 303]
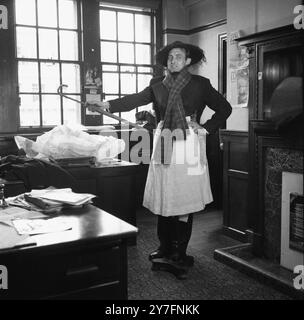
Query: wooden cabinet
[275, 119]
[89, 261]
[235, 183]
[274, 56]
[114, 186]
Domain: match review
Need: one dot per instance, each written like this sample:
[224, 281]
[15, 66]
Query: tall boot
[185, 235]
[175, 238]
[163, 229]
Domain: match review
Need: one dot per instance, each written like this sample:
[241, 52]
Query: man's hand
[97, 105]
[197, 128]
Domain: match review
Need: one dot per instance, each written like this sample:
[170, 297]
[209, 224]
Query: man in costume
[178, 182]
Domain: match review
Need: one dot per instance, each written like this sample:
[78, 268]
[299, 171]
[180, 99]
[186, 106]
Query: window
[127, 46]
[48, 55]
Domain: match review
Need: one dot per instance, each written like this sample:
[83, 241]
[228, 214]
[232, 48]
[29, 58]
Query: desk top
[89, 224]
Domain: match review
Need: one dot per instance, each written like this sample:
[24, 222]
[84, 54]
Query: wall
[251, 16]
[208, 41]
[174, 16]
[206, 12]
[181, 17]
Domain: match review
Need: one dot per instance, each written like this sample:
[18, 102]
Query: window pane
[28, 76]
[68, 45]
[142, 28]
[47, 13]
[127, 69]
[110, 97]
[143, 81]
[108, 120]
[126, 53]
[110, 83]
[125, 26]
[148, 107]
[108, 51]
[130, 115]
[106, 67]
[48, 45]
[145, 69]
[29, 110]
[128, 83]
[51, 110]
[67, 14]
[143, 54]
[26, 42]
[25, 12]
[107, 25]
[71, 111]
[49, 77]
[71, 77]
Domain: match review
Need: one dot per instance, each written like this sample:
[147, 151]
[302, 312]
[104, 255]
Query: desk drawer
[53, 274]
[83, 269]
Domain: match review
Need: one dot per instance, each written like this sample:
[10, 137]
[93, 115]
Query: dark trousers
[174, 235]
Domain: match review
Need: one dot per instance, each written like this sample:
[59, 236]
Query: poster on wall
[238, 72]
[93, 85]
[296, 226]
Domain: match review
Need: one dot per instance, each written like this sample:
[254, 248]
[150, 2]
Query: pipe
[106, 113]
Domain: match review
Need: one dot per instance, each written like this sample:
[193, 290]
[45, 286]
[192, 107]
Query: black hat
[195, 53]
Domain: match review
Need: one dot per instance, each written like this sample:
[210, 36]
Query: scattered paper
[10, 213]
[38, 226]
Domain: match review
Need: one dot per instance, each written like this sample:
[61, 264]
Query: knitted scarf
[175, 114]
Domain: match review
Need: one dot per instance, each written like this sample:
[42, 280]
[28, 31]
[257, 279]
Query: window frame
[133, 10]
[60, 62]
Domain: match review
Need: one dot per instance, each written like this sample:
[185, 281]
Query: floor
[208, 279]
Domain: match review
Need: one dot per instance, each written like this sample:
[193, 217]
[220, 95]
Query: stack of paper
[63, 196]
[26, 201]
[50, 200]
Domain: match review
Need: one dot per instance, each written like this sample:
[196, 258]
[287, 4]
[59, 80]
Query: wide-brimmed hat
[195, 53]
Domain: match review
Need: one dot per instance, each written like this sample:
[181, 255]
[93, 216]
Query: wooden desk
[87, 262]
[118, 187]
[115, 187]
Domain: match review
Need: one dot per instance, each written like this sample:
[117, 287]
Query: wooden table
[88, 261]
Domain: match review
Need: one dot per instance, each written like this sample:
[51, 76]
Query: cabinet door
[117, 195]
[278, 62]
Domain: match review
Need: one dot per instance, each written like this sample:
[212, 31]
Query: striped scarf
[175, 117]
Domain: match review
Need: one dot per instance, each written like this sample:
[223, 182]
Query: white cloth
[183, 186]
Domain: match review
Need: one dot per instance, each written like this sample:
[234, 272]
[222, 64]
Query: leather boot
[185, 235]
[175, 236]
[180, 236]
[163, 228]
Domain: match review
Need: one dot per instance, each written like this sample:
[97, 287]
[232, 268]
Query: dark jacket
[196, 95]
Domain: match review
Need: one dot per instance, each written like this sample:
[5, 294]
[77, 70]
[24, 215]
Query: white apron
[183, 186]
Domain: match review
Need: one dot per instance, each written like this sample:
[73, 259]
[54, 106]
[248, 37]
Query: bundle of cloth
[66, 141]
[35, 173]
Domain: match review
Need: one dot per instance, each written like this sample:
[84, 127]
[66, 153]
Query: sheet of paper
[9, 237]
[11, 213]
[38, 226]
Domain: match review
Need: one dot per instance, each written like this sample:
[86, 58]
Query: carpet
[208, 279]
